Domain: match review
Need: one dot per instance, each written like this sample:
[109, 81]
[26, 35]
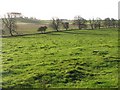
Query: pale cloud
[46, 9]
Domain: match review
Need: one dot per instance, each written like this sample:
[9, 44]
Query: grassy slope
[79, 58]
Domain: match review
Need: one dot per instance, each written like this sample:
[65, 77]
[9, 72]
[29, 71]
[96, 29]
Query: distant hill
[27, 20]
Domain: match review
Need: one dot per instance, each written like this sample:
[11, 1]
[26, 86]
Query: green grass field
[66, 59]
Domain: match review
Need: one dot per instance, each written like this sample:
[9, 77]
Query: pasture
[64, 59]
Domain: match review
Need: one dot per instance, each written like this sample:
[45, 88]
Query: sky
[64, 9]
[119, 10]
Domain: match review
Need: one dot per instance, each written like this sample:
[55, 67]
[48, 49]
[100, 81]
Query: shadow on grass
[85, 33]
[70, 31]
[19, 35]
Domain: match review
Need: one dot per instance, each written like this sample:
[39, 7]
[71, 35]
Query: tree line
[82, 23]
[9, 24]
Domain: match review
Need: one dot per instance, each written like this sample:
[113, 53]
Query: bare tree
[107, 22]
[9, 23]
[92, 22]
[119, 24]
[65, 25]
[79, 21]
[113, 22]
[98, 22]
[55, 23]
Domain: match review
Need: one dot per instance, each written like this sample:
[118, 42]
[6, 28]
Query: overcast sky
[65, 9]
